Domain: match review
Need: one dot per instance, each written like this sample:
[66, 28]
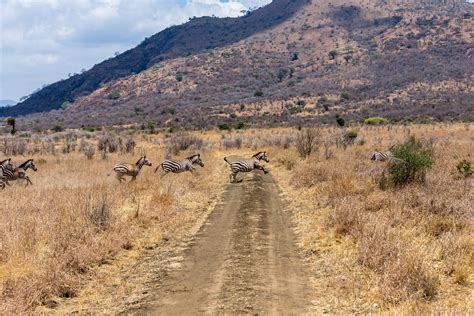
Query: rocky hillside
[293, 61]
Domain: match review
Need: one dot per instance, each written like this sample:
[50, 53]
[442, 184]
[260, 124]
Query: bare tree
[307, 141]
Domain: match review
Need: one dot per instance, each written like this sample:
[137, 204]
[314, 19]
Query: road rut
[243, 261]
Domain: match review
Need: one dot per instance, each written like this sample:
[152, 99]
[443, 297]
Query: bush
[179, 76]
[413, 159]
[340, 121]
[178, 143]
[345, 96]
[114, 95]
[464, 168]
[306, 141]
[375, 120]
[57, 129]
[258, 93]
[224, 127]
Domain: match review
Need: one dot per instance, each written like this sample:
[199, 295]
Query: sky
[42, 41]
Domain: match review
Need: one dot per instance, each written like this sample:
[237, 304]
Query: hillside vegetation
[290, 62]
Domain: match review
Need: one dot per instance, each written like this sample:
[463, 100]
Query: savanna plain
[79, 241]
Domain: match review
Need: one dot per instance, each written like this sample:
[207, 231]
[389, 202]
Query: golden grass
[402, 250]
[55, 235]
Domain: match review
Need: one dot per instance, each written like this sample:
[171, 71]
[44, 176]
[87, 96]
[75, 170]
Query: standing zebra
[11, 174]
[246, 165]
[180, 166]
[123, 169]
[4, 164]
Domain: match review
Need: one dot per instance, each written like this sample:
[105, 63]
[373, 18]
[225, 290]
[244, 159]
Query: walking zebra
[10, 173]
[123, 169]
[246, 165]
[180, 166]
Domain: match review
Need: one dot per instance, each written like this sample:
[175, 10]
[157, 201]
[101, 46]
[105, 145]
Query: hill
[291, 62]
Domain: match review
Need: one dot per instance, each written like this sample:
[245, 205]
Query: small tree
[12, 122]
[307, 141]
[179, 76]
[412, 161]
[332, 54]
[340, 121]
[258, 93]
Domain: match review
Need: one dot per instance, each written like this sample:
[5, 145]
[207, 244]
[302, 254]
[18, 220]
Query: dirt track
[243, 260]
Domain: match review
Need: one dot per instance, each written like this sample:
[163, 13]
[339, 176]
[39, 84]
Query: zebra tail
[158, 167]
[225, 158]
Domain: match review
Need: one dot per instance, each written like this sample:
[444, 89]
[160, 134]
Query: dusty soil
[244, 260]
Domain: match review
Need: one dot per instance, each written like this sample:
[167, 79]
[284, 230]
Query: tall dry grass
[401, 249]
[77, 217]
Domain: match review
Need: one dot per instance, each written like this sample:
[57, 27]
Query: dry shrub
[346, 220]
[178, 143]
[307, 176]
[87, 148]
[307, 141]
[455, 251]
[402, 274]
[234, 142]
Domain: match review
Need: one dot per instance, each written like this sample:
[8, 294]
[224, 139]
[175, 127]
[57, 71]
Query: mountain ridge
[392, 59]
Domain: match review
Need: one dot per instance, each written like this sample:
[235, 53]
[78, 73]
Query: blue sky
[42, 41]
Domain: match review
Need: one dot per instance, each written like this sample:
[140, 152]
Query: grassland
[407, 249]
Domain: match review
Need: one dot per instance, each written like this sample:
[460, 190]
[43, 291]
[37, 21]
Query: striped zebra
[124, 169]
[386, 157]
[246, 165]
[180, 166]
[5, 165]
[10, 173]
[381, 156]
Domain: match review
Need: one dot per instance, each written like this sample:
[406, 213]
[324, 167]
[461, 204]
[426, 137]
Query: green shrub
[345, 96]
[412, 161]
[258, 93]
[464, 168]
[340, 121]
[179, 76]
[114, 95]
[375, 120]
[240, 125]
[223, 126]
[332, 54]
[57, 128]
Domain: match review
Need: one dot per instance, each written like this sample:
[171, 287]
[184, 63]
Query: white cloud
[41, 41]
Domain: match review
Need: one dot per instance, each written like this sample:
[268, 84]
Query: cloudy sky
[41, 41]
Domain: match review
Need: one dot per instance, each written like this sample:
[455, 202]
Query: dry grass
[55, 235]
[403, 249]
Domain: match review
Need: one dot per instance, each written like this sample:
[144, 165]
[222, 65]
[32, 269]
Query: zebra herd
[237, 165]
[8, 171]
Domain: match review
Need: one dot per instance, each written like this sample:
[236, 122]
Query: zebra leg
[28, 181]
[119, 177]
[163, 174]
[133, 178]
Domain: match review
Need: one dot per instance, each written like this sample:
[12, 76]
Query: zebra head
[261, 156]
[143, 162]
[28, 164]
[196, 159]
[374, 156]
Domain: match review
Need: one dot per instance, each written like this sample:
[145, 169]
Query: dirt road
[243, 260]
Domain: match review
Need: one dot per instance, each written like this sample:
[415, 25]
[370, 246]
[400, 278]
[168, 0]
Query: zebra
[10, 173]
[3, 165]
[381, 156]
[246, 165]
[180, 166]
[123, 169]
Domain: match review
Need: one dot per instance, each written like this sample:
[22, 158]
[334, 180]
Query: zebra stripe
[123, 169]
[381, 156]
[246, 165]
[180, 166]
